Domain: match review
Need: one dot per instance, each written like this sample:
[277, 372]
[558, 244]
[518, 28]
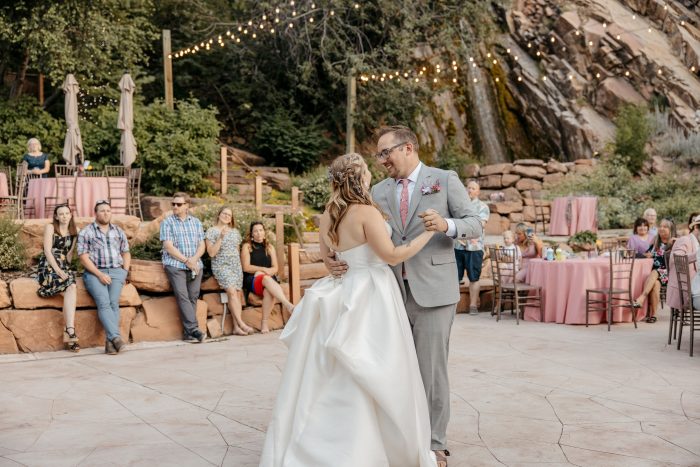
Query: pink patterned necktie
[403, 207]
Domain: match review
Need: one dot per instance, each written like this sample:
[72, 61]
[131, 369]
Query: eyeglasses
[178, 204]
[384, 153]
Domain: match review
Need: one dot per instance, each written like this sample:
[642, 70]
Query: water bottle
[549, 254]
[193, 274]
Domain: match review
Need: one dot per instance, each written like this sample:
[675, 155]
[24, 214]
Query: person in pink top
[689, 246]
[640, 241]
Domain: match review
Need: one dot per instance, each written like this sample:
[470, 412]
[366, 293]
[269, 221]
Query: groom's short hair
[401, 133]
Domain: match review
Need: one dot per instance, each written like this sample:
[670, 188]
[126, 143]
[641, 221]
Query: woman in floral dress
[54, 274]
[223, 245]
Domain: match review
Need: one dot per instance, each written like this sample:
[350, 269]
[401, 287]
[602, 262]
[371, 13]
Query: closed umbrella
[127, 148]
[73, 145]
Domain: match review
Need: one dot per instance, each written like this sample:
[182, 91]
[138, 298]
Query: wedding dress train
[351, 392]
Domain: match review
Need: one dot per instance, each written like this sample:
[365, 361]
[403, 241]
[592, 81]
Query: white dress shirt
[412, 180]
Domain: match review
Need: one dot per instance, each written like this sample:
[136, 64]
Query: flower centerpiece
[583, 241]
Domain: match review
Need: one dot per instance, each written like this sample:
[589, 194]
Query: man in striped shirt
[183, 246]
[104, 253]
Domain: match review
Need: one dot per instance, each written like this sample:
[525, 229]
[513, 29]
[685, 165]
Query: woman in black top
[259, 268]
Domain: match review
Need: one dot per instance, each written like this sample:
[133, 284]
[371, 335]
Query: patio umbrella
[73, 146]
[127, 148]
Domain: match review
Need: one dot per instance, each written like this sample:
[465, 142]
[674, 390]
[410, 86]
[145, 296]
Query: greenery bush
[285, 140]
[633, 132]
[315, 186]
[23, 119]
[13, 254]
[622, 198]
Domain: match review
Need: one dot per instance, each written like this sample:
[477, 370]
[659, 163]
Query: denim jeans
[107, 298]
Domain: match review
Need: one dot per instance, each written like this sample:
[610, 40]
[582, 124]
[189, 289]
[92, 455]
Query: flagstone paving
[531, 394]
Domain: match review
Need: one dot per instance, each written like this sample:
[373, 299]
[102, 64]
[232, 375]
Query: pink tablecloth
[4, 187]
[87, 191]
[582, 215]
[564, 285]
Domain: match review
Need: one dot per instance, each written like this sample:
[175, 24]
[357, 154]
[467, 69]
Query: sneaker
[473, 310]
[110, 349]
[119, 344]
[198, 336]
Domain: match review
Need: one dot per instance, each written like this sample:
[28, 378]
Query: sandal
[636, 304]
[71, 339]
[441, 457]
[651, 319]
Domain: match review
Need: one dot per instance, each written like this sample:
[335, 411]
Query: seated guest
[686, 245]
[223, 244]
[530, 246]
[650, 216]
[37, 161]
[640, 241]
[104, 253]
[659, 273]
[513, 251]
[259, 269]
[183, 246]
[54, 272]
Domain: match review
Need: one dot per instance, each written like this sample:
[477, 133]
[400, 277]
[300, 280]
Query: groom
[416, 198]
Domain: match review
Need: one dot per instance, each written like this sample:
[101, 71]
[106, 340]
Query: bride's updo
[345, 175]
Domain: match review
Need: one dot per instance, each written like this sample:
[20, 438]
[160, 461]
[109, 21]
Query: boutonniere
[430, 189]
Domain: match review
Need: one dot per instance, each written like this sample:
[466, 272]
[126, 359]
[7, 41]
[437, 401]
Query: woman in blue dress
[37, 161]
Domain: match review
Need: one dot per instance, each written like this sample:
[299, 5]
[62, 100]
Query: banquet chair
[118, 186]
[26, 206]
[610, 297]
[505, 264]
[66, 182]
[689, 316]
[538, 204]
[9, 205]
[609, 244]
[134, 192]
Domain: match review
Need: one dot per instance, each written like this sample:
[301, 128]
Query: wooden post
[224, 170]
[279, 244]
[295, 199]
[258, 193]
[41, 89]
[294, 273]
[168, 70]
[349, 112]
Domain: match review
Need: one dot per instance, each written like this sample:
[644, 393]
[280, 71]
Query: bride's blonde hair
[345, 175]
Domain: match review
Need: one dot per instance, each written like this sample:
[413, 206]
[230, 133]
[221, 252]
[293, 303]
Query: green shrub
[13, 254]
[286, 141]
[452, 157]
[24, 119]
[633, 131]
[316, 187]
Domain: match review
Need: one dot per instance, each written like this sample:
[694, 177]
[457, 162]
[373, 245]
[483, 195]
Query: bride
[351, 392]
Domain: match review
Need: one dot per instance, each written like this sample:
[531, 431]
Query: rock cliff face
[565, 67]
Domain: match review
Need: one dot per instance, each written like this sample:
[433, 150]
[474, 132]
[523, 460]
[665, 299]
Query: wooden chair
[613, 296]
[609, 244]
[134, 193]
[538, 204]
[27, 206]
[118, 183]
[66, 183]
[505, 265]
[689, 316]
[9, 205]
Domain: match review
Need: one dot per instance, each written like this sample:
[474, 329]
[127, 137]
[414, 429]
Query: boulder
[214, 305]
[8, 344]
[614, 92]
[529, 214]
[210, 284]
[490, 181]
[496, 224]
[529, 171]
[553, 178]
[149, 276]
[590, 162]
[516, 217]
[471, 170]
[495, 169]
[5, 300]
[277, 177]
[214, 327]
[310, 254]
[532, 162]
[25, 297]
[32, 233]
[239, 155]
[509, 179]
[42, 330]
[528, 184]
[506, 207]
[512, 194]
[556, 166]
[583, 169]
[312, 271]
[160, 320]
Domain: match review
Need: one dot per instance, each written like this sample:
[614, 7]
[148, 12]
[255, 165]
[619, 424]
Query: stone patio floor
[531, 394]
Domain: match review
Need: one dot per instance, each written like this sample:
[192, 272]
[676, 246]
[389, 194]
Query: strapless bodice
[362, 256]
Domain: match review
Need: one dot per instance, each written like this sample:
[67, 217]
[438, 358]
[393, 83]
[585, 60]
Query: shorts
[471, 262]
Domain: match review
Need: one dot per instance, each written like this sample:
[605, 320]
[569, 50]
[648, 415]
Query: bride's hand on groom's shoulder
[336, 267]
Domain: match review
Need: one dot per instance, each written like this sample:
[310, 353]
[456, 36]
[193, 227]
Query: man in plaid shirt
[104, 253]
[183, 246]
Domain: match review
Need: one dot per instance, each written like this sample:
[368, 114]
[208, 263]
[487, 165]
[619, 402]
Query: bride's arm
[380, 241]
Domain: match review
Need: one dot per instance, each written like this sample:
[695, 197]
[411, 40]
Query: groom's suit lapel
[417, 194]
[390, 192]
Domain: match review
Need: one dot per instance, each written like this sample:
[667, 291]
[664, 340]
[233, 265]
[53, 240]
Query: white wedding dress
[351, 392]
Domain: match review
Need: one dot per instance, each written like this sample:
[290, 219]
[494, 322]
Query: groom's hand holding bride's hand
[336, 268]
[432, 221]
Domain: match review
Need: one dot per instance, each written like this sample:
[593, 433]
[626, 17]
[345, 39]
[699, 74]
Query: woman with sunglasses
[55, 275]
[666, 235]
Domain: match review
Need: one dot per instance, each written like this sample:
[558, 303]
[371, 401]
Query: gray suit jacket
[432, 273]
